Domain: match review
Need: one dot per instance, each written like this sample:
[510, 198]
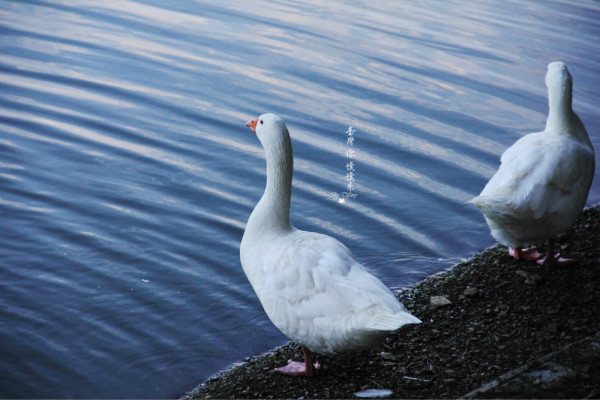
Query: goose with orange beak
[309, 284]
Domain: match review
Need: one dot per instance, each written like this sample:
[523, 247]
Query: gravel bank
[501, 314]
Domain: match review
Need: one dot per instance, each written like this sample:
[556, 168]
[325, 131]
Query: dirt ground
[501, 314]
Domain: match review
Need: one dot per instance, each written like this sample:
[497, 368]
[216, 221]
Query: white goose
[309, 284]
[543, 180]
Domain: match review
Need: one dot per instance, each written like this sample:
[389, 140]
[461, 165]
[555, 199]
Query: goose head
[271, 131]
[559, 83]
[558, 73]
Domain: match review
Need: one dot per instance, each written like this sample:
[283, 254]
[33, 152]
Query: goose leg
[551, 259]
[307, 368]
[529, 254]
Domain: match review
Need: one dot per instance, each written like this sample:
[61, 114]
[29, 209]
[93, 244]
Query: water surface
[127, 174]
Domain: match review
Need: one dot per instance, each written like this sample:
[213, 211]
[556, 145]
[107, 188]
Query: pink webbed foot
[555, 260]
[529, 254]
[551, 259]
[296, 368]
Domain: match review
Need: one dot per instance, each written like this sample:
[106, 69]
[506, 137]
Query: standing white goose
[309, 284]
[543, 180]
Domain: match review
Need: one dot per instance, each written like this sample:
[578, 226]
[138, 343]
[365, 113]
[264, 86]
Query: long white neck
[272, 213]
[561, 117]
[560, 114]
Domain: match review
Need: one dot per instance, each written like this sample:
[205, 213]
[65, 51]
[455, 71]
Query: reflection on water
[127, 174]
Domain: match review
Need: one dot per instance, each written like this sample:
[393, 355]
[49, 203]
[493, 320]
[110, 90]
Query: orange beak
[252, 124]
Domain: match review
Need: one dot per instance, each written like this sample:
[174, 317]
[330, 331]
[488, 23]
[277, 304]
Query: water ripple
[127, 174]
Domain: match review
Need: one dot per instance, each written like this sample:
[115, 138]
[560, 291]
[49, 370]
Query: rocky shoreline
[482, 319]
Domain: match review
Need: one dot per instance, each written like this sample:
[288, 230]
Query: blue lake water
[127, 174]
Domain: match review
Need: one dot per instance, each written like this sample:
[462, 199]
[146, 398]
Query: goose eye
[261, 121]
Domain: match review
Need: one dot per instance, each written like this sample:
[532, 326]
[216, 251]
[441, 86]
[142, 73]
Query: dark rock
[387, 356]
[470, 292]
[521, 273]
[439, 301]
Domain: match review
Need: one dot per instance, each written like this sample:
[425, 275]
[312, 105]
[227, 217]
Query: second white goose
[543, 180]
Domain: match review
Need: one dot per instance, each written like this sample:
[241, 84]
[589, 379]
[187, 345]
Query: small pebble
[374, 393]
[439, 301]
[521, 273]
[470, 292]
